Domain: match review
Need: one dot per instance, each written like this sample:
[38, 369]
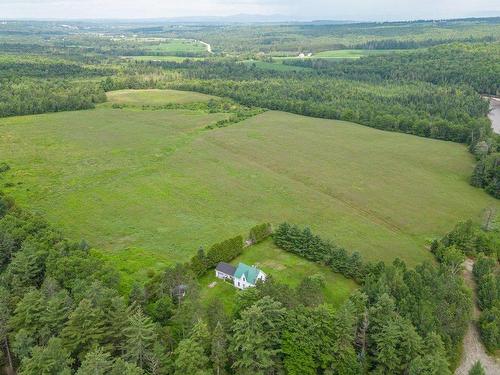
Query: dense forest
[475, 65]
[30, 85]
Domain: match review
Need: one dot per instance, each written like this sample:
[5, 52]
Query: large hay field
[159, 181]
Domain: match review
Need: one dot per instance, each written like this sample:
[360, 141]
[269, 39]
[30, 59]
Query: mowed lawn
[156, 180]
[284, 267]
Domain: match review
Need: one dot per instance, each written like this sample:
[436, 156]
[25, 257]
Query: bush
[260, 232]
[224, 251]
[489, 327]
[4, 167]
[220, 252]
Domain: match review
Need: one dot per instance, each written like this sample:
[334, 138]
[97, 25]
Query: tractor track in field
[356, 209]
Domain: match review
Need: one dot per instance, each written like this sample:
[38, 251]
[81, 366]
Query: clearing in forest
[287, 268]
[158, 181]
[156, 97]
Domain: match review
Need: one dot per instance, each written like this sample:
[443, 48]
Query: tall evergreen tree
[398, 344]
[256, 339]
[344, 332]
[219, 350]
[191, 358]
[84, 329]
[96, 362]
[52, 359]
[140, 335]
[121, 367]
[5, 314]
[307, 340]
[200, 334]
[433, 360]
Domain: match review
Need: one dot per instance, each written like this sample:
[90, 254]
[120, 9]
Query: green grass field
[157, 181]
[178, 47]
[286, 268]
[349, 53]
[155, 97]
[162, 58]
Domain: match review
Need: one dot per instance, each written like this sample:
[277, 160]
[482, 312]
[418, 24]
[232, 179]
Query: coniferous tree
[5, 315]
[96, 362]
[218, 354]
[308, 340]
[52, 359]
[310, 290]
[121, 367]
[201, 335]
[487, 291]
[23, 344]
[216, 314]
[139, 338]
[256, 338]
[344, 358]
[117, 317]
[191, 358]
[27, 314]
[477, 369]
[84, 329]
[398, 344]
[57, 310]
[433, 360]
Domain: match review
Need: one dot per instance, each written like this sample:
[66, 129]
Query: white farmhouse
[242, 276]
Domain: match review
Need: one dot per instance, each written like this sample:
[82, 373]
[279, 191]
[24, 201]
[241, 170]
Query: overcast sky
[295, 9]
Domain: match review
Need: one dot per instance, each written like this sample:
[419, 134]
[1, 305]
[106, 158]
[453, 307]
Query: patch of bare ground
[473, 348]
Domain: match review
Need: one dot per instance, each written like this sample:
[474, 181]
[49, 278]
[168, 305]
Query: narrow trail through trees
[473, 349]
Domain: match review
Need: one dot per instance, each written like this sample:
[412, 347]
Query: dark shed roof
[226, 268]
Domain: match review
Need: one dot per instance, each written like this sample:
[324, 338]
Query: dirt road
[473, 349]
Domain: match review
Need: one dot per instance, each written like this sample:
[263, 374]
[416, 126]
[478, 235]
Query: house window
[238, 283]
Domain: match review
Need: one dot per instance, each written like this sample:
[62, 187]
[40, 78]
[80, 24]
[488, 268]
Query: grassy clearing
[284, 267]
[155, 97]
[178, 47]
[155, 180]
[162, 58]
[133, 265]
[349, 53]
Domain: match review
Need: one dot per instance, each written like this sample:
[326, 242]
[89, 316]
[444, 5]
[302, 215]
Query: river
[495, 114]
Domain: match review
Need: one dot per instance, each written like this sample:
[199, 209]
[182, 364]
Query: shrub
[489, 327]
[260, 232]
[4, 167]
[220, 252]
[224, 251]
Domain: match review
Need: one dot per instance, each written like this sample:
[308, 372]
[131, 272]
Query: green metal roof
[250, 273]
